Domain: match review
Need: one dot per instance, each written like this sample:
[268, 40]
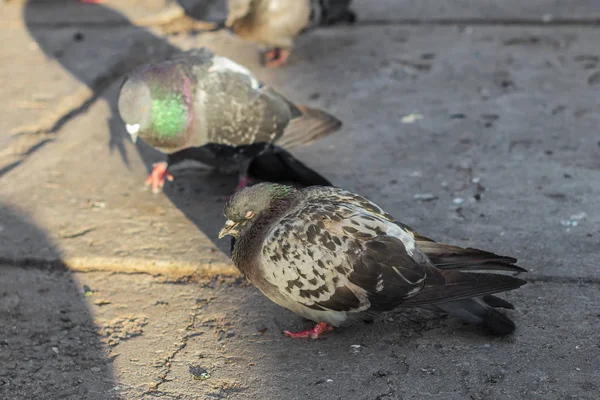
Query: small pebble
[573, 220]
[199, 373]
[87, 292]
[425, 196]
[547, 18]
[411, 118]
[55, 350]
[458, 200]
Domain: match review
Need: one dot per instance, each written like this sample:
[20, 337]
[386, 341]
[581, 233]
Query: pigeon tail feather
[449, 257]
[478, 312]
[468, 296]
[309, 126]
[457, 285]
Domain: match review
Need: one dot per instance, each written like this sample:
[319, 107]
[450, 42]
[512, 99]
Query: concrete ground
[475, 123]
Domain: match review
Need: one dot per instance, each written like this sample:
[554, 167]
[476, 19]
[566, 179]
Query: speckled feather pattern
[311, 256]
[333, 256]
[225, 103]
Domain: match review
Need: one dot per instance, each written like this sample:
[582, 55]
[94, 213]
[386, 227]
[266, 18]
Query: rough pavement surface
[475, 123]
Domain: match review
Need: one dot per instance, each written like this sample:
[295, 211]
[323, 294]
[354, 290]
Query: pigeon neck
[169, 116]
[247, 248]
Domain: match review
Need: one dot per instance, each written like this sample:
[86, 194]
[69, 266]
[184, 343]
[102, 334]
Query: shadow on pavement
[88, 51]
[198, 193]
[49, 346]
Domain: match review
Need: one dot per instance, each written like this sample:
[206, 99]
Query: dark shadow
[199, 194]
[49, 346]
[9, 167]
[199, 10]
[31, 150]
[77, 43]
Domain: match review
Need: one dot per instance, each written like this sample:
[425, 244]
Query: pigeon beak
[133, 131]
[228, 229]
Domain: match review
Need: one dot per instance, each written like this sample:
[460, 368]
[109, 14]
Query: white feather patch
[132, 129]
[225, 64]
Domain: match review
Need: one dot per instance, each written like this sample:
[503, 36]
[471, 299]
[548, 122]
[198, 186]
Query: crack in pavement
[184, 341]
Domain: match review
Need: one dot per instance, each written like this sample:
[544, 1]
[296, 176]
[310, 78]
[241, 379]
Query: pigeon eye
[249, 215]
[144, 109]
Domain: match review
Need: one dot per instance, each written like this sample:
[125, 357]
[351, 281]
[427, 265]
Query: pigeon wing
[337, 255]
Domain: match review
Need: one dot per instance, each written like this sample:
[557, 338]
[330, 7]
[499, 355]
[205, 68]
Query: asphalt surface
[475, 123]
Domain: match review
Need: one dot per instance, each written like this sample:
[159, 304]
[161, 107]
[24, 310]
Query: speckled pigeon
[334, 257]
[201, 106]
[276, 23]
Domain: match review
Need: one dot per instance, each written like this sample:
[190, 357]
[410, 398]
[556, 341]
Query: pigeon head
[250, 203]
[135, 107]
[154, 105]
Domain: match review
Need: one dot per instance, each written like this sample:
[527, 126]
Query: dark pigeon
[334, 257]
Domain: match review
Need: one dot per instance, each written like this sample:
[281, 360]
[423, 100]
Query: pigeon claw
[158, 175]
[313, 333]
[275, 57]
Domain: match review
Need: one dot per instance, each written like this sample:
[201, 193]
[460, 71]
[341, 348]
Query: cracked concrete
[474, 122]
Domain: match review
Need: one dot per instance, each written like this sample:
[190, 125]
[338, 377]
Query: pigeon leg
[243, 179]
[313, 333]
[158, 175]
[275, 57]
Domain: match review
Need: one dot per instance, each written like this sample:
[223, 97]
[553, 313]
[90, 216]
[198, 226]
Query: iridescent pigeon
[205, 107]
[334, 257]
[276, 23]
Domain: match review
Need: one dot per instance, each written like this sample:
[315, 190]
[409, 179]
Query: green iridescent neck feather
[169, 116]
[280, 190]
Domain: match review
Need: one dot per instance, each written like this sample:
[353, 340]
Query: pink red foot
[276, 57]
[158, 175]
[244, 182]
[313, 333]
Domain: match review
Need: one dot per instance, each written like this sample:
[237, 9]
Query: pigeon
[276, 23]
[205, 107]
[334, 257]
